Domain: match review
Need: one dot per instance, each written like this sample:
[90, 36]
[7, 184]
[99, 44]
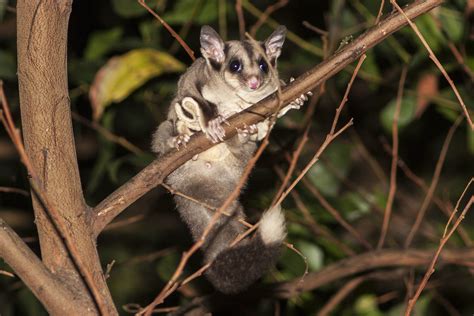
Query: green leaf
[452, 23]
[448, 104]
[449, 113]
[366, 305]
[323, 177]
[407, 113]
[201, 12]
[354, 205]
[313, 254]
[101, 42]
[149, 31]
[430, 31]
[7, 65]
[128, 8]
[124, 74]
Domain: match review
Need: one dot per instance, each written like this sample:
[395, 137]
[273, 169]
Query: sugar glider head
[243, 64]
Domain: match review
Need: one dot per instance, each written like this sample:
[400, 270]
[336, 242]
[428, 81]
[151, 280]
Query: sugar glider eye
[262, 64]
[235, 66]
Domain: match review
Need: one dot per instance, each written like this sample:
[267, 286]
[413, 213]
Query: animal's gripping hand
[296, 104]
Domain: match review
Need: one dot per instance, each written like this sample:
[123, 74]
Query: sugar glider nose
[253, 83]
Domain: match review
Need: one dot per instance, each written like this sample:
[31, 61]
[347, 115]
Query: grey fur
[214, 174]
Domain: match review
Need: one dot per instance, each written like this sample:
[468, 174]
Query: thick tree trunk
[48, 136]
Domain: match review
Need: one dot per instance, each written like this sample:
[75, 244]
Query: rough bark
[47, 131]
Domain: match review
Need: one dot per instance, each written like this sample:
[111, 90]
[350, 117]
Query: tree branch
[49, 142]
[156, 172]
[53, 294]
[365, 262]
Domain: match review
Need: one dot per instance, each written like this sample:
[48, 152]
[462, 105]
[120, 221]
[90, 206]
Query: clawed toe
[180, 140]
[214, 131]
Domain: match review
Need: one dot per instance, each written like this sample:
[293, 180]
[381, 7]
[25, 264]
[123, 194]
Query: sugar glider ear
[212, 45]
[274, 43]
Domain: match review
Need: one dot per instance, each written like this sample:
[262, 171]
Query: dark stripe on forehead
[249, 49]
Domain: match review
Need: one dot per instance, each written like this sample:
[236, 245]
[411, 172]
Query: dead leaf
[122, 75]
[426, 89]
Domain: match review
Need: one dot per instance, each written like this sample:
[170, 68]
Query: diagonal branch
[156, 172]
[52, 292]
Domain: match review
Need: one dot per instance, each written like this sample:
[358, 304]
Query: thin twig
[223, 19]
[125, 222]
[108, 134]
[340, 295]
[379, 15]
[169, 28]
[183, 32]
[14, 190]
[419, 182]
[313, 225]
[291, 168]
[446, 235]
[369, 158]
[240, 18]
[268, 11]
[460, 59]
[336, 214]
[393, 169]
[291, 36]
[330, 137]
[136, 308]
[436, 62]
[315, 29]
[345, 98]
[434, 182]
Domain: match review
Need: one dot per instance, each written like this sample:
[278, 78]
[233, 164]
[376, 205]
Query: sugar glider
[228, 78]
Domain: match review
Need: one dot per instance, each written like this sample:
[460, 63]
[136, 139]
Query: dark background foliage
[145, 243]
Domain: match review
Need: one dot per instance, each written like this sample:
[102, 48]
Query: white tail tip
[272, 226]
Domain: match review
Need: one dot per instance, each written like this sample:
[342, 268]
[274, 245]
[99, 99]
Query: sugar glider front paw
[178, 141]
[214, 130]
[296, 104]
[245, 133]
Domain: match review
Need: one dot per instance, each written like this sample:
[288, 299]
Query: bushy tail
[234, 269]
